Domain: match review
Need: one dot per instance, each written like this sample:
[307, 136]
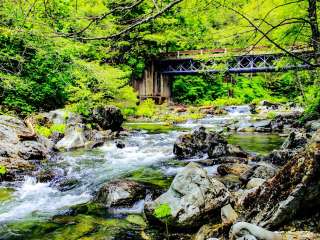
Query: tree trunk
[312, 13]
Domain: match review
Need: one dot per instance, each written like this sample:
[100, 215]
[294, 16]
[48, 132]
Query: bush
[196, 89]
[33, 73]
[47, 131]
[146, 109]
[311, 101]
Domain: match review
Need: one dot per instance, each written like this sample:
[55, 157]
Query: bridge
[156, 82]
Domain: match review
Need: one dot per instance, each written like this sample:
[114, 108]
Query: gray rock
[58, 116]
[244, 231]
[255, 182]
[218, 150]
[296, 139]
[312, 126]
[293, 191]
[264, 171]
[228, 215]
[198, 142]
[32, 150]
[270, 104]
[74, 138]
[192, 197]
[16, 153]
[108, 117]
[120, 193]
[262, 124]
[279, 157]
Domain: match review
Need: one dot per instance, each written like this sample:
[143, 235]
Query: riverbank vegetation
[80, 54]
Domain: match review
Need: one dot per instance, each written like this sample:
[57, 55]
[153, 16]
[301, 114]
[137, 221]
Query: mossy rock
[137, 220]
[6, 194]
[27, 229]
[90, 208]
[151, 177]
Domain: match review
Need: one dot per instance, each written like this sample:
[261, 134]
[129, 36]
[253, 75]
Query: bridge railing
[221, 52]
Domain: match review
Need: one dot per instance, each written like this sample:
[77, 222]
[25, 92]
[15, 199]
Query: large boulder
[120, 193]
[195, 143]
[16, 153]
[74, 136]
[193, 197]
[108, 117]
[294, 190]
[201, 142]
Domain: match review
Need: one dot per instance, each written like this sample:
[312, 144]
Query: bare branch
[99, 19]
[263, 33]
[133, 26]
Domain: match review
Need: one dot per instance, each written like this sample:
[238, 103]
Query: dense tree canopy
[83, 53]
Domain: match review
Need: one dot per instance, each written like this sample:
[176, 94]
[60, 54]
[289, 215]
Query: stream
[22, 204]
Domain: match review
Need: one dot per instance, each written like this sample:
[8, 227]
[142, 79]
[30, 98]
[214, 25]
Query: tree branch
[133, 26]
[99, 19]
[263, 33]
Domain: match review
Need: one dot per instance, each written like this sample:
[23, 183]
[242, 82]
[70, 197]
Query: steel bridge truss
[236, 64]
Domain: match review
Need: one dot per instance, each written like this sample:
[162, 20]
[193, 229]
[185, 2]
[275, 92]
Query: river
[32, 201]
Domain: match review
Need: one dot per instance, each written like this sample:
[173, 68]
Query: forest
[229, 155]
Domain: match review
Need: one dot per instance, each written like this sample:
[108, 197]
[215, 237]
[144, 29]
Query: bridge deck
[237, 61]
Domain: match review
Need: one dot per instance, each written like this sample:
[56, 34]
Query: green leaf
[162, 211]
[3, 170]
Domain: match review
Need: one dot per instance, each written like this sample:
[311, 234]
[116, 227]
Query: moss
[28, 229]
[150, 176]
[90, 208]
[137, 220]
[5, 194]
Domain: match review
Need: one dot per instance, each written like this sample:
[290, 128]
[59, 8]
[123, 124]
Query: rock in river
[193, 197]
[120, 193]
[202, 142]
[108, 117]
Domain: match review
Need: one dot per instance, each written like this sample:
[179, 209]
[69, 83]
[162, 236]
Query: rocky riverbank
[102, 178]
[26, 151]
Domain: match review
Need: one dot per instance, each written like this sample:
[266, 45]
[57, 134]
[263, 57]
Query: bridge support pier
[154, 85]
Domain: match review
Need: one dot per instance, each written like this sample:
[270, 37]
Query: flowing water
[145, 151]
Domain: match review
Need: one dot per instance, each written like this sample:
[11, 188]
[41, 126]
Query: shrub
[47, 131]
[43, 131]
[146, 109]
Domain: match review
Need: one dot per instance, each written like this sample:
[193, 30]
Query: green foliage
[196, 89]
[146, 109]
[227, 101]
[311, 100]
[3, 170]
[47, 131]
[271, 115]
[162, 211]
[99, 85]
[60, 128]
[43, 131]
